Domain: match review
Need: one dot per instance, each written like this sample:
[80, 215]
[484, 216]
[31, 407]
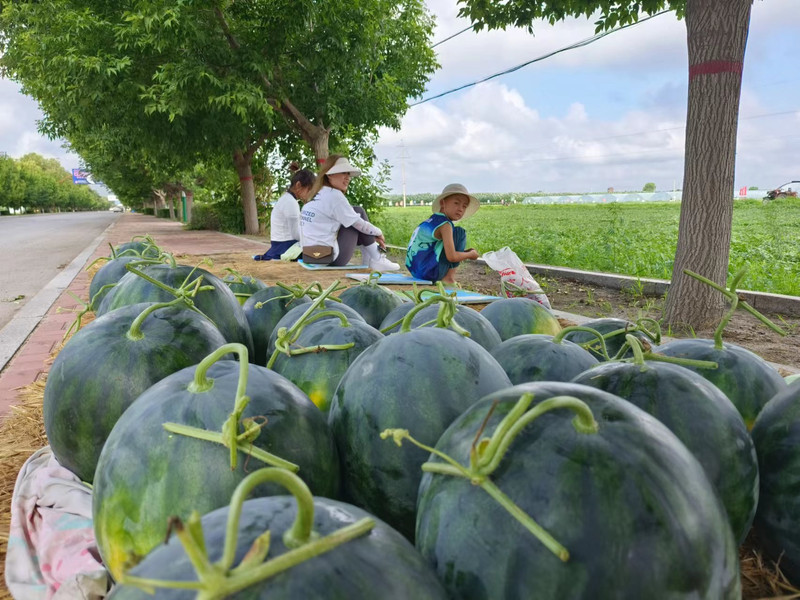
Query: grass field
[626, 238]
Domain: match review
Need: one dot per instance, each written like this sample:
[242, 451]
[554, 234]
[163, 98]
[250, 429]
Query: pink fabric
[52, 552]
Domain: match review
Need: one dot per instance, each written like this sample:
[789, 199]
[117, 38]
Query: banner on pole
[80, 177]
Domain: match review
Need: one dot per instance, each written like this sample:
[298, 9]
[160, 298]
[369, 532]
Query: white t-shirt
[284, 221]
[322, 217]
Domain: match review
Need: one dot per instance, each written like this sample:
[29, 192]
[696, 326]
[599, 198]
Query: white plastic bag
[515, 279]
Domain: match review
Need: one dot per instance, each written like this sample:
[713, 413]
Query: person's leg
[447, 269]
[350, 237]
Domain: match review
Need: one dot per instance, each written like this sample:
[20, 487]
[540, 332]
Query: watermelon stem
[485, 455]
[559, 337]
[735, 301]
[221, 579]
[135, 331]
[640, 356]
[288, 336]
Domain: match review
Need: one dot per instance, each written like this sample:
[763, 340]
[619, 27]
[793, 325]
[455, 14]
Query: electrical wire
[579, 44]
[452, 36]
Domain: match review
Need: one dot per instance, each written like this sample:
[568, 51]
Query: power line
[579, 44]
[452, 36]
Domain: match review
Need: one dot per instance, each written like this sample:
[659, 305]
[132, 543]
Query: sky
[610, 114]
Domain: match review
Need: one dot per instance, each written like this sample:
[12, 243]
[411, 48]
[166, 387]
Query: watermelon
[746, 378]
[372, 561]
[630, 510]
[371, 301]
[103, 368]
[318, 373]
[540, 357]
[702, 417]
[218, 303]
[109, 274]
[263, 310]
[776, 435]
[518, 316]
[146, 474]
[243, 286]
[420, 379]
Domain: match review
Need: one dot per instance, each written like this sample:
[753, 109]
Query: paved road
[35, 248]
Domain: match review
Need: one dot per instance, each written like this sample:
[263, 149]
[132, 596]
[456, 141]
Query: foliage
[631, 239]
[521, 13]
[37, 184]
[649, 187]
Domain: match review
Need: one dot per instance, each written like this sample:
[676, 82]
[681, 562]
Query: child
[437, 245]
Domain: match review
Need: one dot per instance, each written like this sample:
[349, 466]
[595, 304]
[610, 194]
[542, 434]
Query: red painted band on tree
[713, 67]
[247, 178]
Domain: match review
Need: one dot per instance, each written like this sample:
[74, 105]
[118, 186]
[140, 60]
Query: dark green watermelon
[243, 286]
[110, 273]
[480, 329]
[294, 314]
[218, 304]
[629, 503]
[746, 378]
[420, 380]
[274, 302]
[318, 373]
[101, 370]
[146, 474]
[536, 357]
[371, 301]
[379, 565]
[144, 248]
[702, 417]
[776, 435]
[518, 316]
[613, 343]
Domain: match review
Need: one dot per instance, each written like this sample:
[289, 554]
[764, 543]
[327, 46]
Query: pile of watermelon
[278, 441]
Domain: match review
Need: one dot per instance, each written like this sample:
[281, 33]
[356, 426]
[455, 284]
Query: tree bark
[717, 38]
[189, 202]
[172, 207]
[243, 163]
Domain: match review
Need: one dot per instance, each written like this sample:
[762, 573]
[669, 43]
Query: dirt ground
[564, 294]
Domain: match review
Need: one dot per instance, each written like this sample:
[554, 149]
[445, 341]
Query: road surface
[35, 248]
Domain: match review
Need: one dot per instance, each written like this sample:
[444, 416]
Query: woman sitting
[284, 221]
[331, 228]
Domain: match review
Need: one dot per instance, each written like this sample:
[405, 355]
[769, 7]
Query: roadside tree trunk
[717, 38]
[243, 163]
[172, 207]
[189, 201]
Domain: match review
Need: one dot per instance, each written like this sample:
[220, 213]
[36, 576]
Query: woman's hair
[322, 177]
[302, 176]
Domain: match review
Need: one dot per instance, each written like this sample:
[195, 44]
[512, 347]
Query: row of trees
[37, 184]
[161, 97]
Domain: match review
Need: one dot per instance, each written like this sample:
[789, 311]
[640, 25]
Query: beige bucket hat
[457, 188]
[342, 165]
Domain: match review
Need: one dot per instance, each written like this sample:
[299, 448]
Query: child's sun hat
[456, 188]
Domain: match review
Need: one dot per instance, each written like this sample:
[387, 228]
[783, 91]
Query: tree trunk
[243, 164]
[717, 37]
[189, 201]
[318, 140]
[172, 207]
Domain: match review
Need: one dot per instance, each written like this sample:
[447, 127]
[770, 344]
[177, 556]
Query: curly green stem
[221, 580]
[559, 337]
[135, 331]
[486, 458]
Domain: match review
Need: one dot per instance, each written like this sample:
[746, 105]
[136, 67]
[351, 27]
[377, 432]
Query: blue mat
[468, 297]
[390, 278]
[324, 267]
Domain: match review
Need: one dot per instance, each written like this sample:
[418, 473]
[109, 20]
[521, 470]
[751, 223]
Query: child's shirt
[424, 250]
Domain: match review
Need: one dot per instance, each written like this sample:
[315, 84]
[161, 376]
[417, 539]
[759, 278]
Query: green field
[626, 238]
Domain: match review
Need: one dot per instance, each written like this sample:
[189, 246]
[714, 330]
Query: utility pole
[403, 169]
